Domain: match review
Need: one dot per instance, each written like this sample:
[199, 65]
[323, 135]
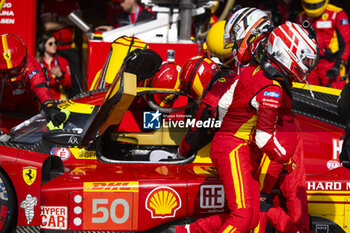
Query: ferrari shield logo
[29, 175]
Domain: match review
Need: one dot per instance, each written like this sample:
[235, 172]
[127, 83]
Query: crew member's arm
[54, 22]
[343, 28]
[267, 103]
[35, 78]
[197, 137]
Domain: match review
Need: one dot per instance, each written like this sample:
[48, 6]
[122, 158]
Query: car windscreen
[30, 131]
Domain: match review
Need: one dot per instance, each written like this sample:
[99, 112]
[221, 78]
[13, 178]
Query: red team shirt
[65, 82]
[64, 36]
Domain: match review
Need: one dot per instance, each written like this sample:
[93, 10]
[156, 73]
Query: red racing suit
[333, 35]
[290, 214]
[20, 96]
[58, 86]
[252, 124]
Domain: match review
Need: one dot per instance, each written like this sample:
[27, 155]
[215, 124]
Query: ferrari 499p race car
[90, 175]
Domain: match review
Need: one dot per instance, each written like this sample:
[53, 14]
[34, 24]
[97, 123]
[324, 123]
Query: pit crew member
[216, 99]
[22, 80]
[333, 32]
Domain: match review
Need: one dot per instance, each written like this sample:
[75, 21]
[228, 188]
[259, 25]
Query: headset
[41, 46]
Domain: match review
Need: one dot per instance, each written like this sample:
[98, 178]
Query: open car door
[120, 48]
[137, 66]
[117, 100]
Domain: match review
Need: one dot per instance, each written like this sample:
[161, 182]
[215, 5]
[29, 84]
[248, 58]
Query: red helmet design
[167, 77]
[13, 58]
[294, 49]
[195, 75]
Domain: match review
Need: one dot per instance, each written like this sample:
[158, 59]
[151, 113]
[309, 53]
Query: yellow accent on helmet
[215, 41]
[314, 8]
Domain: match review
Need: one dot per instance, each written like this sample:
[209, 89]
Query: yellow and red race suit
[333, 35]
[254, 123]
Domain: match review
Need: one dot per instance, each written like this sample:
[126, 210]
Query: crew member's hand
[57, 73]
[288, 167]
[265, 202]
[333, 72]
[53, 113]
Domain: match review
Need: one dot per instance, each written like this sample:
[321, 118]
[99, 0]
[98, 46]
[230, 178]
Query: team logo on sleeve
[31, 75]
[344, 21]
[272, 94]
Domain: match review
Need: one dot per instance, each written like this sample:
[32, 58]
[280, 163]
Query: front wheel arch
[7, 189]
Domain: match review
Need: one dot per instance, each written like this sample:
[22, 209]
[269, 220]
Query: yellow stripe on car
[77, 107]
[321, 89]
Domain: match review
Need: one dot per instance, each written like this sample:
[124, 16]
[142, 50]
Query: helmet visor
[313, 6]
[310, 62]
[232, 38]
[13, 74]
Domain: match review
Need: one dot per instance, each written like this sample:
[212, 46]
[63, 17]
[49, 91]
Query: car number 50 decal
[108, 210]
[115, 211]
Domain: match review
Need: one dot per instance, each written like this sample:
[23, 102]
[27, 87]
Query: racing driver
[253, 122]
[22, 80]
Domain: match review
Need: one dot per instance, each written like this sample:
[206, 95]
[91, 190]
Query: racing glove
[288, 167]
[265, 202]
[333, 72]
[53, 113]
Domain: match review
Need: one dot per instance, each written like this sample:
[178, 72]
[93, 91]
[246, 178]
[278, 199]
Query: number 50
[106, 214]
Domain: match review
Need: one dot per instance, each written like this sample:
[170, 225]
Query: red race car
[91, 176]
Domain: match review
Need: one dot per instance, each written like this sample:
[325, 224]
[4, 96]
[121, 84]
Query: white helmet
[244, 29]
[293, 47]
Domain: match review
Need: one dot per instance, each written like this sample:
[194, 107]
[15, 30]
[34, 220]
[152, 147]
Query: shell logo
[163, 202]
